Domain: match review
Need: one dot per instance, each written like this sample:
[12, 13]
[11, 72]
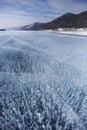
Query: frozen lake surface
[43, 81]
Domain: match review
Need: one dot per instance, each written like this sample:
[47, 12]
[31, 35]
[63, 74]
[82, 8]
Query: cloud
[28, 11]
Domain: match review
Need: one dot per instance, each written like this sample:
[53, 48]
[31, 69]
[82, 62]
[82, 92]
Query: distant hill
[2, 30]
[34, 26]
[68, 20]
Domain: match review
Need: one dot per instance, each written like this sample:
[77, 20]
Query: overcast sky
[22, 12]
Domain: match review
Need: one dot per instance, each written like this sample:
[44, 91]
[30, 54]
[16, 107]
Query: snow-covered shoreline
[76, 32]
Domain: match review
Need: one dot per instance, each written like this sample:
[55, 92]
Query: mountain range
[68, 20]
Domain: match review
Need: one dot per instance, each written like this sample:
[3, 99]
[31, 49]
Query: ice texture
[43, 81]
